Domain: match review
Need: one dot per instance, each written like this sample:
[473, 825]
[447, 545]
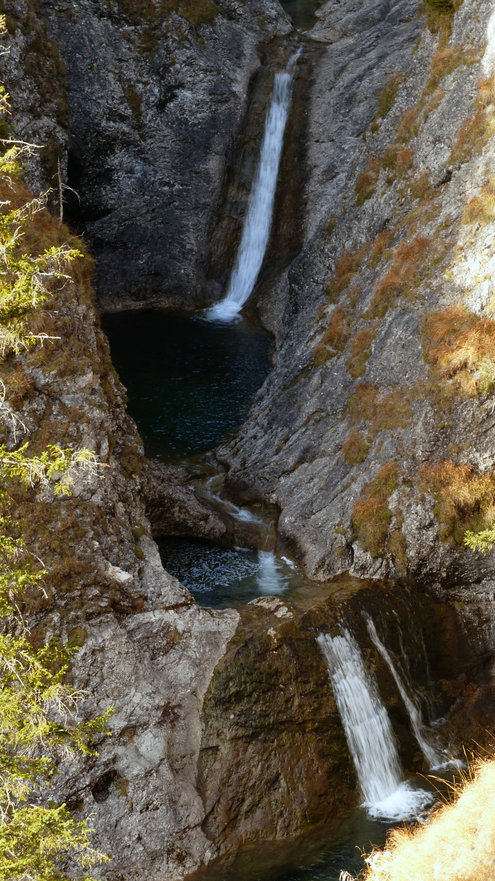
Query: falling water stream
[432, 756]
[369, 733]
[258, 220]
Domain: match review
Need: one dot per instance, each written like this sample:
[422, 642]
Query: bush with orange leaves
[460, 346]
[464, 498]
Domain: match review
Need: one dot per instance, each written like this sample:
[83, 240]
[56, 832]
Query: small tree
[39, 718]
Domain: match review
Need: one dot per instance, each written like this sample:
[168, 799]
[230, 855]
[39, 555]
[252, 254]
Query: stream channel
[190, 380]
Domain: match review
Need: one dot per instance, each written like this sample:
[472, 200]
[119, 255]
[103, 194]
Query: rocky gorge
[370, 438]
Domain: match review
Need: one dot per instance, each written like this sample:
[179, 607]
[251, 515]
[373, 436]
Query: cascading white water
[269, 577]
[368, 732]
[433, 758]
[256, 230]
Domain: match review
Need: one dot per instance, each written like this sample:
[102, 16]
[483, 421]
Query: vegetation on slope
[457, 845]
[39, 711]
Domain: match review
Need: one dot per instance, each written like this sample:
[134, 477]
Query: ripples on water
[223, 577]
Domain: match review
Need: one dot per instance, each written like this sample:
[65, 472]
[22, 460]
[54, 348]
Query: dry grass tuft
[458, 844]
[335, 337]
[481, 208]
[403, 276]
[445, 61]
[384, 412]
[367, 181]
[392, 411]
[345, 270]
[355, 448]
[360, 350]
[388, 94]
[371, 515]
[464, 498]
[379, 247]
[362, 402]
[486, 92]
[472, 136]
[338, 330]
[408, 125]
[460, 346]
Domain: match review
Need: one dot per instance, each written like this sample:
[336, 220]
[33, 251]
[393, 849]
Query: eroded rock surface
[359, 406]
[154, 103]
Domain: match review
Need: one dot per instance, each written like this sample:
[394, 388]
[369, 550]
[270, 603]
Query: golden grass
[379, 247]
[460, 346]
[471, 136]
[445, 61]
[384, 412]
[403, 276]
[388, 94]
[338, 330]
[362, 403]
[371, 516]
[408, 125]
[458, 844]
[367, 181]
[481, 208]
[392, 411]
[345, 270]
[335, 336]
[464, 498]
[360, 351]
[355, 448]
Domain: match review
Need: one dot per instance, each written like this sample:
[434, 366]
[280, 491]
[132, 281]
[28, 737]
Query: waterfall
[369, 732]
[269, 577]
[432, 757]
[256, 230]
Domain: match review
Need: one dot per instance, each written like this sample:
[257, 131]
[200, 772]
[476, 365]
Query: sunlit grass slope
[457, 845]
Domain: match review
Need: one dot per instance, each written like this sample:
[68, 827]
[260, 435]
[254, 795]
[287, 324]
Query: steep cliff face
[363, 396]
[156, 93]
[374, 431]
[145, 648]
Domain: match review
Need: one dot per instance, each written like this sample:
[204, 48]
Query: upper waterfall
[257, 224]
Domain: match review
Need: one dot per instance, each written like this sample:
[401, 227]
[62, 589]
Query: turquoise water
[189, 382]
[225, 577]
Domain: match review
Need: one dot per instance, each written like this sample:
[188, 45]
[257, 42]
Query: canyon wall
[364, 422]
[380, 403]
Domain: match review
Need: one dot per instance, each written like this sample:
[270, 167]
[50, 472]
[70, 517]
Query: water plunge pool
[189, 381]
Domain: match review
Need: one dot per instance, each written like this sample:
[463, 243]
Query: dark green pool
[302, 12]
[189, 381]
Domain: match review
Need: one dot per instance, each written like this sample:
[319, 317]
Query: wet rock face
[354, 395]
[154, 103]
[274, 761]
[272, 748]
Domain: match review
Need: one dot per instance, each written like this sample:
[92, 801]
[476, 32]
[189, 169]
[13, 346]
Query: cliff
[371, 434]
[373, 431]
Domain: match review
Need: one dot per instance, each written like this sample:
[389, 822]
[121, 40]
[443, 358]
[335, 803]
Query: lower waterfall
[256, 230]
[369, 732]
[434, 758]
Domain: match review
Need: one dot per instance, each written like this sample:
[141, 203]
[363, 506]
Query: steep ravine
[196, 703]
[363, 398]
